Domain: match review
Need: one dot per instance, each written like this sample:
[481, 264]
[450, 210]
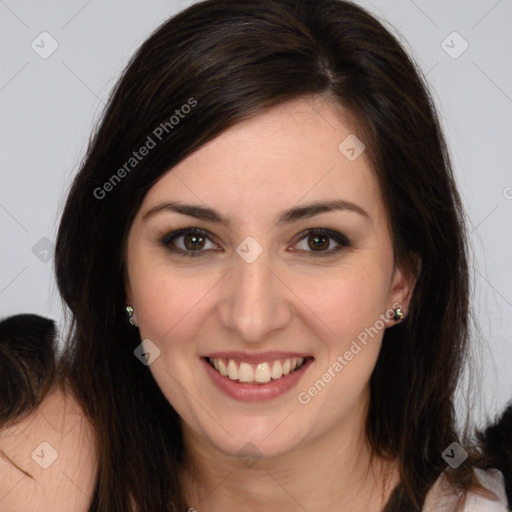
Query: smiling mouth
[261, 373]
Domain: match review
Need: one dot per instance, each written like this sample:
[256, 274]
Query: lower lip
[255, 392]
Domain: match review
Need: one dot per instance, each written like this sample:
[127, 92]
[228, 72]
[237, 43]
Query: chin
[250, 437]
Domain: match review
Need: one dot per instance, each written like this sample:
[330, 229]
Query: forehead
[288, 155]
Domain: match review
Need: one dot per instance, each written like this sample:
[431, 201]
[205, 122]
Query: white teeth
[245, 373]
[222, 368]
[277, 370]
[261, 373]
[232, 370]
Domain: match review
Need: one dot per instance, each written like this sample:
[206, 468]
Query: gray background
[48, 107]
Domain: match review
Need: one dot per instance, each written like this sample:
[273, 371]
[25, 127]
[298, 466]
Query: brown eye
[323, 242]
[187, 242]
[318, 242]
[193, 242]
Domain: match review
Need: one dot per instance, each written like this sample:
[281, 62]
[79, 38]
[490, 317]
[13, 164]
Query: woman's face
[254, 290]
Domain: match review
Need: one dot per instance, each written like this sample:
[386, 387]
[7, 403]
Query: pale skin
[313, 456]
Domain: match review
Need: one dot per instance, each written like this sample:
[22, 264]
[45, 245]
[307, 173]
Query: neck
[334, 472]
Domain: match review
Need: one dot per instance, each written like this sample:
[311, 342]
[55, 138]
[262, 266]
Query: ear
[402, 285]
[128, 294]
[127, 287]
[129, 298]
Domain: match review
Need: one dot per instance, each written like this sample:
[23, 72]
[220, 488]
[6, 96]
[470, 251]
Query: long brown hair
[229, 60]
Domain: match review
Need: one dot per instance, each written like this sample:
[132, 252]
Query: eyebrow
[285, 217]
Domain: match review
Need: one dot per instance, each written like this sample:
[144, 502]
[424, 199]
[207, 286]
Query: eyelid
[166, 237]
[342, 241]
[331, 233]
[165, 240]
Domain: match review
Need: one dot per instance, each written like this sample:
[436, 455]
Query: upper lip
[255, 358]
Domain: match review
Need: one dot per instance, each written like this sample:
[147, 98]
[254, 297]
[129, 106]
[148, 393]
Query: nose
[256, 301]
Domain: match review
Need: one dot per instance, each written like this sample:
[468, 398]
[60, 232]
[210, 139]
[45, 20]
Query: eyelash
[166, 240]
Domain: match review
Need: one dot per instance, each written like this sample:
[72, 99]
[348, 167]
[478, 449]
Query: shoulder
[443, 498]
[48, 459]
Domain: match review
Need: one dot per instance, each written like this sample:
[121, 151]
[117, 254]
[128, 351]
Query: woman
[270, 201]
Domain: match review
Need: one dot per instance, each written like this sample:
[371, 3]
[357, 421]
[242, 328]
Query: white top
[441, 497]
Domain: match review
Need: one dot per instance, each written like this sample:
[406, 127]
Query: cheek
[346, 301]
[163, 293]
[167, 302]
[352, 306]
[171, 306]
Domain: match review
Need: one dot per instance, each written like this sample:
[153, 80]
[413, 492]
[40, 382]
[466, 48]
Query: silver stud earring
[398, 314]
[129, 310]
